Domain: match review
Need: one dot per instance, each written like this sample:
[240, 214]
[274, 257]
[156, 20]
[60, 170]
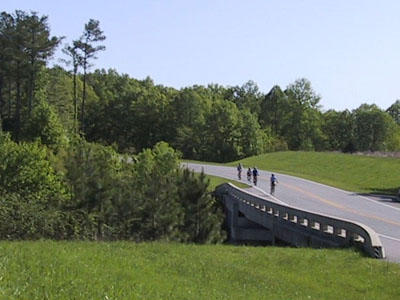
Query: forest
[94, 154]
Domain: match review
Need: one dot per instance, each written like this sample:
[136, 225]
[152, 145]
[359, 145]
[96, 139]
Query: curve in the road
[383, 218]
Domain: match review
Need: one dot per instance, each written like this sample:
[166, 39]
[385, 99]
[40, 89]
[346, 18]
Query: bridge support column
[241, 229]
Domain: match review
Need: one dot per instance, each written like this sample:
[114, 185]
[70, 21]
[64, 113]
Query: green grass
[350, 172]
[215, 181]
[123, 270]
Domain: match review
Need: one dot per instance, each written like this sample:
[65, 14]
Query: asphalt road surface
[380, 213]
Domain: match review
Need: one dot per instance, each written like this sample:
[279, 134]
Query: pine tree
[202, 216]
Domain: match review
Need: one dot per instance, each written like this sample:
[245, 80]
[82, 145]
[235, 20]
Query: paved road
[378, 212]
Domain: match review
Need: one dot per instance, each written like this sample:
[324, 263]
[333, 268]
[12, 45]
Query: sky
[348, 49]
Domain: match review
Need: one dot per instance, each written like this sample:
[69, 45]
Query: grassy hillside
[350, 172]
[123, 270]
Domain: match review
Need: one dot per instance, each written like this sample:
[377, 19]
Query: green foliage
[273, 109]
[202, 215]
[45, 125]
[301, 126]
[203, 122]
[31, 193]
[83, 51]
[373, 128]
[190, 109]
[138, 200]
[222, 131]
[92, 173]
[252, 139]
[26, 46]
[339, 128]
[301, 92]
[392, 142]
[247, 96]
[27, 218]
[156, 193]
[59, 95]
[110, 197]
[26, 171]
[394, 111]
[151, 118]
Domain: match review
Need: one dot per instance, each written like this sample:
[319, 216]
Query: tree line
[54, 183]
[221, 124]
[213, 122]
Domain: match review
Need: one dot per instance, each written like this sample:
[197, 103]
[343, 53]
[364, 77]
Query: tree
[339, 129]
[26, 46]
[111, 119]
[45, 124]
[394, 111]
[301, 126]
[190, 108]
[252, 138]
[247, 96]
[202, 216]
[91, 172]
[39, 46]
[26, 171]
[302, 92]
[273, 109]
[156, 193]
[18, 66]
[222, 131]
[374, 128]
[86, 44]
[58, 94]
[75, 60]
[152, 117]
[6, 29]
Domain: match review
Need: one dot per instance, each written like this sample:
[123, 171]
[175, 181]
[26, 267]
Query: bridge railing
[300, 227]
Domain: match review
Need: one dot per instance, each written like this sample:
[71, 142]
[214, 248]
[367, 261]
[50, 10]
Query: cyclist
[249, 174]
[255, 175]
[273, 180]
[239, 169]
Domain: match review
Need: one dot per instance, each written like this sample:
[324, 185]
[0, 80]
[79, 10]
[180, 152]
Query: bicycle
[272, 192]
[255, 180]
[273, 182]
[255, 175]
[239, 169]
[249, 175]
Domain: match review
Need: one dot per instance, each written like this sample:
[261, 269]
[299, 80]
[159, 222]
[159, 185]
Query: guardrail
[300, 227]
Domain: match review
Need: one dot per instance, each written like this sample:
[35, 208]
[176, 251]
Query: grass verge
[123, 270]
[215, 181]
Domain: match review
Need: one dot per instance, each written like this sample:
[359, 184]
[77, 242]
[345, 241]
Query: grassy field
[350, 172]
[123, 270]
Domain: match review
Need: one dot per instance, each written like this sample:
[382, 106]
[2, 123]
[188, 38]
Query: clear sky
[348, 49]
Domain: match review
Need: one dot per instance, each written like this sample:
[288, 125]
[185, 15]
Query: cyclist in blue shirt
[273, 180]
[255, 175]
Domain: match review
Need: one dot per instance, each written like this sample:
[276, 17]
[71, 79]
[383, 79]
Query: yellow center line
[331, 203]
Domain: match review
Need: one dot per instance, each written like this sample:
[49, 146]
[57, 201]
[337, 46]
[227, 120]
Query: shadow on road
[383, 193]
[381, 196]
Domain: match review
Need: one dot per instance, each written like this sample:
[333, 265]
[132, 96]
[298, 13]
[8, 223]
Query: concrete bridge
[254, 218]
